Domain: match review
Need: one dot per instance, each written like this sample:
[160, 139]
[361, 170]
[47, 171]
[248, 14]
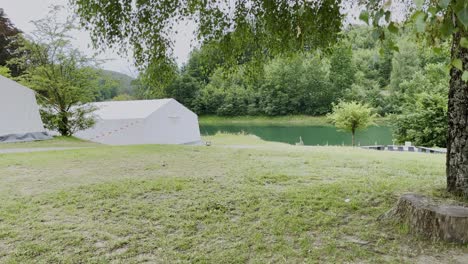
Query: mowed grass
[60, 142]
[240, 200]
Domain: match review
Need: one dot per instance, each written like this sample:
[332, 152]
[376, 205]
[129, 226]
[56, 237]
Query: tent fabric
[24, 137]
[163, 121]
[19, 113]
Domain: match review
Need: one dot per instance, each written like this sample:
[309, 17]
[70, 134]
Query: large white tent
[19, 113]
[163, 121]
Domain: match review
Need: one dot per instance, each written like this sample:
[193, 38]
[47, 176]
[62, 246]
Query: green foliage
[342, 69]
[110, 84]
[123, 97]
[9, 42]
[405, 63]
[257, 26]
[351, 116]
[423, 120]
[184, 89]
[227, 94]
[5, 71]
[152, 82]
[60, 75]
[297, 85]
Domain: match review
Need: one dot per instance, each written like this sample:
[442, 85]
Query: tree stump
[437, 221]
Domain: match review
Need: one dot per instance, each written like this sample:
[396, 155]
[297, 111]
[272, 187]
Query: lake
[311, 135]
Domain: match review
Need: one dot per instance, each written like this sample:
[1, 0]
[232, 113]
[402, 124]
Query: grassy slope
[253, 202]
[295, 120]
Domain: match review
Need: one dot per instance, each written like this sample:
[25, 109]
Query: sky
[22, 12]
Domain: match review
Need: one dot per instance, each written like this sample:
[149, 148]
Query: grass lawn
[239, 200]
[65, 142]
[294, 120]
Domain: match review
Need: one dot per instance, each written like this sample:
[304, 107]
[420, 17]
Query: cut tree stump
[437, 221]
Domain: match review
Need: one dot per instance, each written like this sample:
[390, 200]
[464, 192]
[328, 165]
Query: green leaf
[463, 16]
[388, 15]
[457, 63]
[465, 76]
[447, 28]
[464, 42]
[364, 16]
[444, 3]
[375, 34]
[392, 28]
[419, 3]
[432, 10]
[420, 21]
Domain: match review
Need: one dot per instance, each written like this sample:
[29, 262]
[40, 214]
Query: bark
[457, 138]
[63, 126]
[439, 222]
[352, 137]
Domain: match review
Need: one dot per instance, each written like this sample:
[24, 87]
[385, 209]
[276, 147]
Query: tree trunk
[430, 218]
[457, 138]
[352, 136]
[63, 125]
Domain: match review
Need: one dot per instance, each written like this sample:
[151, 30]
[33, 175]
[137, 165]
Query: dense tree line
[358, 68]
[397, 77]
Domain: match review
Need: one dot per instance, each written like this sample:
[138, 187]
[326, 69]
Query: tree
[423, 120]
[351, 117]
[184, 89]
[342, 69]
[5, 72]
[286, 25]
[9, 42]
[297, 84]
[60, 75]
[404, 64]
[424, 123]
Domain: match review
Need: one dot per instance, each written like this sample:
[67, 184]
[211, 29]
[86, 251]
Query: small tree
[63, 77]
[351, 116]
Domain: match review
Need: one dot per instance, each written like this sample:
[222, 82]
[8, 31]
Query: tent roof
[137, 109]
[6, 83]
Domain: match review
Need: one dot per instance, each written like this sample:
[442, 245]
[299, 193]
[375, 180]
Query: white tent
[163, 121]
[19, 114]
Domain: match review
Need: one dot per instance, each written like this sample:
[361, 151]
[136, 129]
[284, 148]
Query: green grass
[66, 142]
[293, 120]
[239, 200]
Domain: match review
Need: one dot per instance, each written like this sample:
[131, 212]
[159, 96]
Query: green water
[311, 135]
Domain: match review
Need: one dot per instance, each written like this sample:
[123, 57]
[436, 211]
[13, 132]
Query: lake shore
[289, 120]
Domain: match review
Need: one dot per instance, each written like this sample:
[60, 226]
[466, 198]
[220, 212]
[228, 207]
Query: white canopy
[19, 113]
[163, 121]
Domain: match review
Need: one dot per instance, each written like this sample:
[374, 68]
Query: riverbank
[241, 199]
[293, 120]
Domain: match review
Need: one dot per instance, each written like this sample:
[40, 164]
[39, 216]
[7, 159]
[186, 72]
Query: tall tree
[285, 25]
[342, 69]
[9, 42]
[60, 74]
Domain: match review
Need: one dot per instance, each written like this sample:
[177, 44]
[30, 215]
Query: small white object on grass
[347, 200]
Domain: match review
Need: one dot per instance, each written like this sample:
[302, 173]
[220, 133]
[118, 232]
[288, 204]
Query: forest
[400, 77]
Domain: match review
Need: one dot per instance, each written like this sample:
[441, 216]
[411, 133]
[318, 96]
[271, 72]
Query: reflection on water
[311, 135]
